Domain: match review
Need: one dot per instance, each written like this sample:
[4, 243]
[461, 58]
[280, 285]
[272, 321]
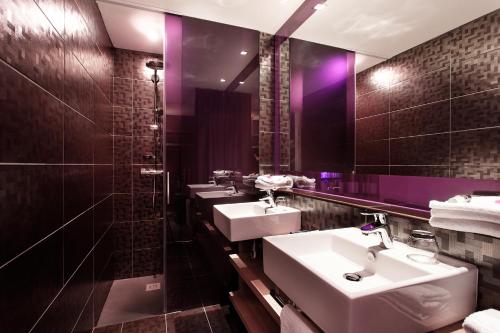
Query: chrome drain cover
[353, 277]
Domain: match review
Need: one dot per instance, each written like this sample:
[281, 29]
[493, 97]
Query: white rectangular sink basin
[249, 220]
[395, 294]
[195, 188]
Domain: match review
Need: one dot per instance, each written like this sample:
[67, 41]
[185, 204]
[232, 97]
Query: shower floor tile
[128, 300]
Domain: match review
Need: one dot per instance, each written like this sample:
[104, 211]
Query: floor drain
[352, 277]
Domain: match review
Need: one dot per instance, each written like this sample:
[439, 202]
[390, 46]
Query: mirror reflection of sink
[251, 220]
[390, 293]
[206, 200]
[195, 188]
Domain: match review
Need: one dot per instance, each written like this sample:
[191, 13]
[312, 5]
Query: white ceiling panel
[379, 29]
[133, 28]
[385, 28]
[262, 15]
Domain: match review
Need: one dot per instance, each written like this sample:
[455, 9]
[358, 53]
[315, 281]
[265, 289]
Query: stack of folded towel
[269, 182]
[487, 321]
[475, 214]
[303, 182]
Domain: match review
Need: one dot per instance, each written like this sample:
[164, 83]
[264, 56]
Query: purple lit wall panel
[322, 105]
[404, 191]
[418, 191]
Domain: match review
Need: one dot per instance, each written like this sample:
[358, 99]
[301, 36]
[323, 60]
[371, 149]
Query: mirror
[426, 97]
[216, 125]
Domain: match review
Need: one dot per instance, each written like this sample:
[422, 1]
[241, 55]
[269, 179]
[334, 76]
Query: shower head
[155, 65]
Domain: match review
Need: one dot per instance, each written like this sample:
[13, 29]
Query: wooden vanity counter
[258, 309]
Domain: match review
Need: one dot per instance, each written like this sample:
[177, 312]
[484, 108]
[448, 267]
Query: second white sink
[250, 220]
[195, 188]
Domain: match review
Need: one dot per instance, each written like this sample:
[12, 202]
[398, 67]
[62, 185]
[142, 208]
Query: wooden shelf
[252, 314]
[252, 274]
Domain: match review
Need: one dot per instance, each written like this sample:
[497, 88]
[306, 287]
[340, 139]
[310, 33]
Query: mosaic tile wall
[434, 110]
[138, 229]
[267, 131]
[482, 251]
[56, 165]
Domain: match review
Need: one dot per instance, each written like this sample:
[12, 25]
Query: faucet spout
[269, 200]
[233, 189]
[379, 227]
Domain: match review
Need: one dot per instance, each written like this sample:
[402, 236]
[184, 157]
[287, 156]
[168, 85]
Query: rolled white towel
[292, 321]
[268, 182]
[303, 181]
[486, 321]
[474, 226]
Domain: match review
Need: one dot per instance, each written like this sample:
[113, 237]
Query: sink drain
[352, 277]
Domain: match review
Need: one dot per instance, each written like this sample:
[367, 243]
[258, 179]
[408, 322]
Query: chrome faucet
[269, 200]
[232, 187]
[379, 227]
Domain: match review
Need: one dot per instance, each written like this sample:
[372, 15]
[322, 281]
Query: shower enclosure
[160, 178]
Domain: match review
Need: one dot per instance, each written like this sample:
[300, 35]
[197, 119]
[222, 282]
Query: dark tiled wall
[55, 165]
[434, 110]
[482, 251]
[138, 230]
[267, 131]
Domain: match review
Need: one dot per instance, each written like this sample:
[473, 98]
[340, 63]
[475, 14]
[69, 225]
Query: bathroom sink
[206, 200]
[195, 188]
[346, 283]
[249, 220]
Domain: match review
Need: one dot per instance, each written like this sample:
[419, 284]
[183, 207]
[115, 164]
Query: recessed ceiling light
[222, 80]
[319, 6]
[242, 82]
[243, 52]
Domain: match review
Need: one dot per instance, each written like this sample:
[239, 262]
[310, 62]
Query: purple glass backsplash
[406, 191]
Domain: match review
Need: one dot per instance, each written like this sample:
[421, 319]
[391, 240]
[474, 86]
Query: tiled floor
[190, 284]
[195, 301]
[212, 319]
